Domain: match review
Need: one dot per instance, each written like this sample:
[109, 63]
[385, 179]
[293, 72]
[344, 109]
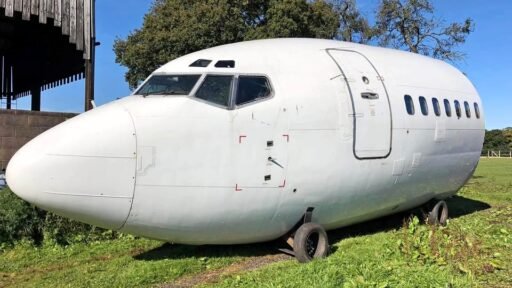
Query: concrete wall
[17, 127]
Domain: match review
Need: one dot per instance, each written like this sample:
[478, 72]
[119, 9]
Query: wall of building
[17, 127]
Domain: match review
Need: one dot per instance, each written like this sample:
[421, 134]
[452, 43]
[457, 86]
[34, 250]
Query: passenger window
[252, 88]
[447, 108]
[437, 108]
[423, 106]
[477, 110]
[409, 105]
[216, 89]
[457, 109]
[468, 111]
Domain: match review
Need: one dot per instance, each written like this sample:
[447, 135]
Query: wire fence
[497, 154]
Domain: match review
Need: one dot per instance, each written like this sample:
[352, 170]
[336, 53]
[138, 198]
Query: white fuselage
[334, 134]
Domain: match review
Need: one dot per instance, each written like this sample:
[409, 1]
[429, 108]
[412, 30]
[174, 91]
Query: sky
[488, 62]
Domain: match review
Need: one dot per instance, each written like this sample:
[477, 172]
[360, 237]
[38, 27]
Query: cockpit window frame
[255, 101]
[234, 89]
[200, 84]
[191, 92]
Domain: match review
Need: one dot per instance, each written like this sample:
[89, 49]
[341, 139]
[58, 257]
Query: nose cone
[82, 169]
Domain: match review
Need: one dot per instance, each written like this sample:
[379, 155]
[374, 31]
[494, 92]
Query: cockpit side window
[216, 89]
[168, 85]
[252, 88]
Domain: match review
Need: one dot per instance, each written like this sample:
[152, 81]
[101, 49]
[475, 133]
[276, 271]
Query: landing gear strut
[309, 241]
[439, 214]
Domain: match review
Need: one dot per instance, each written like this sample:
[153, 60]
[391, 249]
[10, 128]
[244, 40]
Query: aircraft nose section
[82, 169]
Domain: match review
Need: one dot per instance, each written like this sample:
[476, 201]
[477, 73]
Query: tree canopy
[498, 139]
[411, 25]
[173, 28]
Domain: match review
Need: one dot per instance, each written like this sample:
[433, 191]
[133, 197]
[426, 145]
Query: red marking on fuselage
[284, 184]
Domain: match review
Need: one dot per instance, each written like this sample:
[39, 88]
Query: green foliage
[353, 26]
[411, 25]
[173, 28]
[474, 250]
[498, 139]
[20, 221]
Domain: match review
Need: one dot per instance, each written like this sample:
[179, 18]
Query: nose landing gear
[439, 214]
[309, 241]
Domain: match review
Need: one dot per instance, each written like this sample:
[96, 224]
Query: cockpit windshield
[169, 85]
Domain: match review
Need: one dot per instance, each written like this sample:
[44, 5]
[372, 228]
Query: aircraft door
[371, 109]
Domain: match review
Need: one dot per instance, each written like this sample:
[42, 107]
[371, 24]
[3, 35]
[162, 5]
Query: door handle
[369, 95]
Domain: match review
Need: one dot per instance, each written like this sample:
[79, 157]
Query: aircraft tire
[310, 242]
[439, 214]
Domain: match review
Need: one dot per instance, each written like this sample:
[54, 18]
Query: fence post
[499, 154]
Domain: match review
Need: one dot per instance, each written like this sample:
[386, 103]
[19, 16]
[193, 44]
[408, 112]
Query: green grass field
[474, 250]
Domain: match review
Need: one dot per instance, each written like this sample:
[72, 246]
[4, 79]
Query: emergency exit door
[371, 111]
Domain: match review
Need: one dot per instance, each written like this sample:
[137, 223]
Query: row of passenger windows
[424, 107]
[223, 90]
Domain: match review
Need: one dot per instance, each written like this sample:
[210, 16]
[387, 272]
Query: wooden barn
[44, 44]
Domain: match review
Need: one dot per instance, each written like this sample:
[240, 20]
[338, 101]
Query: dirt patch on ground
[214, 276]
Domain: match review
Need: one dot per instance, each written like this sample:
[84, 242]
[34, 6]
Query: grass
[474, 250]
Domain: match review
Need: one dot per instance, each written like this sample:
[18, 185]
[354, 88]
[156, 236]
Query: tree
[173, 28]
[353, 26]
[410, 25]
[496, 140]
[507, 133]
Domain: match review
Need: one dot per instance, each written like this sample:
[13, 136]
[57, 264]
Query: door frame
[354, 129]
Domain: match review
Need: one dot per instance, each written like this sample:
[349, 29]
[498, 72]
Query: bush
[20, 220]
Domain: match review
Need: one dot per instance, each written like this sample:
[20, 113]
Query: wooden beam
[90, 61]
[80, 25]
[34, 7]
[42, 11]
[57, 13]
[18, 5]
[26, 10]
[50, 8]
[9, 8]
[87, 29]
[36, 99]
[72, 21]
[65, 17]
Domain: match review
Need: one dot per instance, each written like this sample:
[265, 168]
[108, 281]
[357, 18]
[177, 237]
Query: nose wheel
[439, 214]
[310, 242]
